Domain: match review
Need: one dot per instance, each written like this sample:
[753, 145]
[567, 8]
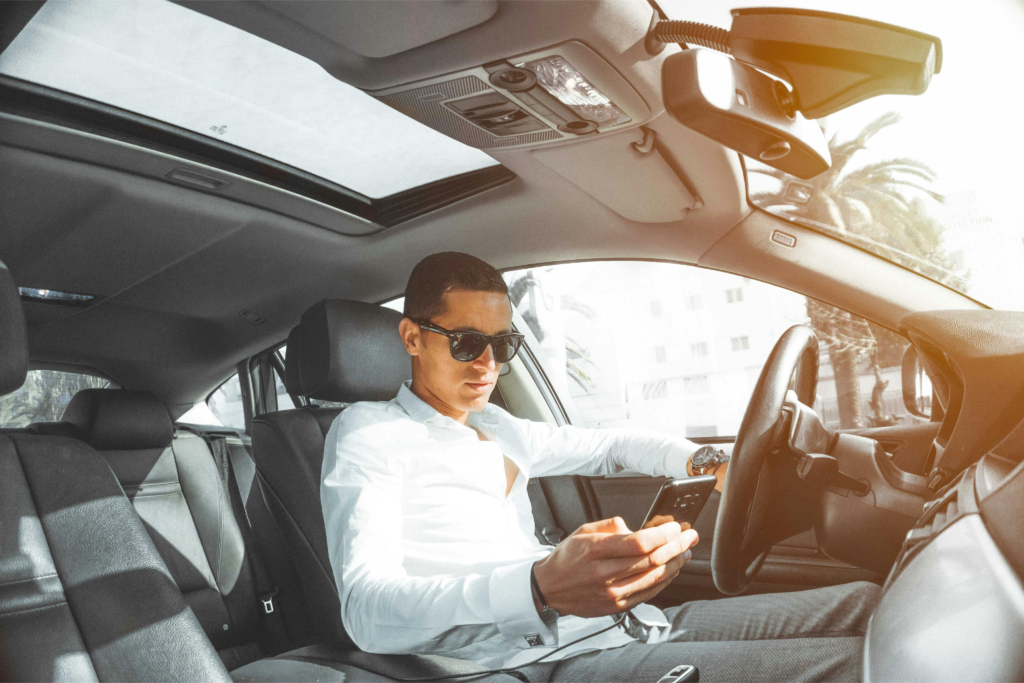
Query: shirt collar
[421, 411]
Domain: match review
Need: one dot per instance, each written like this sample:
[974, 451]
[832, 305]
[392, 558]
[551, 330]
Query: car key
[683, 672]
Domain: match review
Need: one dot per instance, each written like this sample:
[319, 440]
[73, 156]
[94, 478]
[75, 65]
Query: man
[430, 529]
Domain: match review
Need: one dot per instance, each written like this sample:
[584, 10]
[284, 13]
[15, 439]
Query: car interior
[209, 207]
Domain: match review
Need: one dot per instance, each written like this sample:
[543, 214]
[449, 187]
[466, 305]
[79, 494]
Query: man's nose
[486, 358]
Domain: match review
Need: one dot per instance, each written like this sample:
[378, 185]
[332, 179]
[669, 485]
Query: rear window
[44, 396]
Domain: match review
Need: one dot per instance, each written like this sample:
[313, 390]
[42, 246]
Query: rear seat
[172, 481]
[84, 595]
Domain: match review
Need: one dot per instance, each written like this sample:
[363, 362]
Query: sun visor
[627, 173]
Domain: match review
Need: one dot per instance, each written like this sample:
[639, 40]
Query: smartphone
[680, 500]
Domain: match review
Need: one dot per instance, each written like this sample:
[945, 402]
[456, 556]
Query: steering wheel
[742, 537]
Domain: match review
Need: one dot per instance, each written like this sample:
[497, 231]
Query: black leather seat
[342, 351]
[172, 481]
[84, 595]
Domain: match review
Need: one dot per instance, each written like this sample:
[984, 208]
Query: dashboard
[952, 607]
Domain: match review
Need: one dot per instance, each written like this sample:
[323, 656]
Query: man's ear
[411, 336]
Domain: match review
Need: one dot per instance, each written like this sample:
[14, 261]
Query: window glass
[167, 62]
[284, 399]
[44, 396]
[691, 370]
[226, 405]
[926, 181]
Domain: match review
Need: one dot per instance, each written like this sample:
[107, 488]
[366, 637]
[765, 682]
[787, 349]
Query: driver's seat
[342, 352]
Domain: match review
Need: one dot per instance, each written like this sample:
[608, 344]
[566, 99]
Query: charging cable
[620, 620]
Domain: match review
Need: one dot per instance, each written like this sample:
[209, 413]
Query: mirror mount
[743, 109]
[832, 61]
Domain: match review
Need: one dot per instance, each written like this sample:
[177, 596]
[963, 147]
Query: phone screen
[680, 500]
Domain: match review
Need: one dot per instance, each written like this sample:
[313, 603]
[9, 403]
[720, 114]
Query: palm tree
[879, 203]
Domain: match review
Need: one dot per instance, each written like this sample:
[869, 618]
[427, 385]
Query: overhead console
[556, 94]
[561, 94]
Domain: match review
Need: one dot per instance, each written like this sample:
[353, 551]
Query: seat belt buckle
[268, 601]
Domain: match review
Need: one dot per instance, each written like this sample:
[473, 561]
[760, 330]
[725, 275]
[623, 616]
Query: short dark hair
[447, 271]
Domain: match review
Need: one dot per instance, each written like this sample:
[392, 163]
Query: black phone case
[682, 499]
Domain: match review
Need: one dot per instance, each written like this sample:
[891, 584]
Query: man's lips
[478, 386]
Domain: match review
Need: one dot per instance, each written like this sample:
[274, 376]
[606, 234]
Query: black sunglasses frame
[516, 340]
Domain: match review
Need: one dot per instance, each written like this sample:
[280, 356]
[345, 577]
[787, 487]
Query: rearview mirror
[743, 109]
[917, 386]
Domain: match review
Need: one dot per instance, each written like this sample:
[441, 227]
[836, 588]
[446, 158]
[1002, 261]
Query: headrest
[120, 419]
[292, 383]
[13, 340]
[351, 351]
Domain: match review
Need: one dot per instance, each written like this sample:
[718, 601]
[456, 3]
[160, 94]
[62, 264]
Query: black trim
[38, 102]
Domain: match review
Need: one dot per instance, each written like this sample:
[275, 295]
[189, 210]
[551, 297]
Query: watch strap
[548, 615]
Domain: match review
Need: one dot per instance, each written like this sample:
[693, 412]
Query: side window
[679, 349]
[44, 396]
[223, 408]
[284, 400]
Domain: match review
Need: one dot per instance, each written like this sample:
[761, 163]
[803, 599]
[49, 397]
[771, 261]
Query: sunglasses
[468, 346]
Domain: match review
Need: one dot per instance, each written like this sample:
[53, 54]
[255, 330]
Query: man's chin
[476, 399]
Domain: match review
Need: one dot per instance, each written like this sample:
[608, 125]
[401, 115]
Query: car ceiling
[173, 267]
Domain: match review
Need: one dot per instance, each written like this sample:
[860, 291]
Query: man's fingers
[641, 542]
[678, 545]
[638, 583]
[615, 525]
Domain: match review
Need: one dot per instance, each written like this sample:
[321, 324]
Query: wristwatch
[549, 615]
[707, 458]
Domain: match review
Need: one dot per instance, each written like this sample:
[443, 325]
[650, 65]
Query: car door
[678, 349]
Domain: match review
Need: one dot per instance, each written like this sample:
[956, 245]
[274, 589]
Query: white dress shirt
[429, 555]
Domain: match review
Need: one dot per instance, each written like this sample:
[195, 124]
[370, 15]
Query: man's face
[440, 379]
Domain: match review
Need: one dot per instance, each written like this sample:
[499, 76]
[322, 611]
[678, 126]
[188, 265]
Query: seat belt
[266, 590]
[545, 527]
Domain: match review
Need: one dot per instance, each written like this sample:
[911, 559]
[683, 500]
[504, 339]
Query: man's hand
[603, 568]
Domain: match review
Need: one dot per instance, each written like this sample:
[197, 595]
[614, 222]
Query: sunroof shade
[164, 61]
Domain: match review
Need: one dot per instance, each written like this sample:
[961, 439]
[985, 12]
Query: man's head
[461, 293]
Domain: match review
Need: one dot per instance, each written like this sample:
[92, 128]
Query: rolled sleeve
[514, 612]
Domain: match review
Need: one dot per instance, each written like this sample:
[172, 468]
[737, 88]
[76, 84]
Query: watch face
[703, 456]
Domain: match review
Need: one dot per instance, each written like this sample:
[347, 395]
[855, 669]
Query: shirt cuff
[514, 612]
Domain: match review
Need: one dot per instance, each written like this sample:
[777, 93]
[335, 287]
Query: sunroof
[166, 62]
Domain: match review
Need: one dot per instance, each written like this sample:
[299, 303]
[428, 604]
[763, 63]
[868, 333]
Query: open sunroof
[165, 62]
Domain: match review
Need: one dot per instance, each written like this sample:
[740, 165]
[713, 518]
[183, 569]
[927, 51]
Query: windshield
[930, 182]
[161, 60]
